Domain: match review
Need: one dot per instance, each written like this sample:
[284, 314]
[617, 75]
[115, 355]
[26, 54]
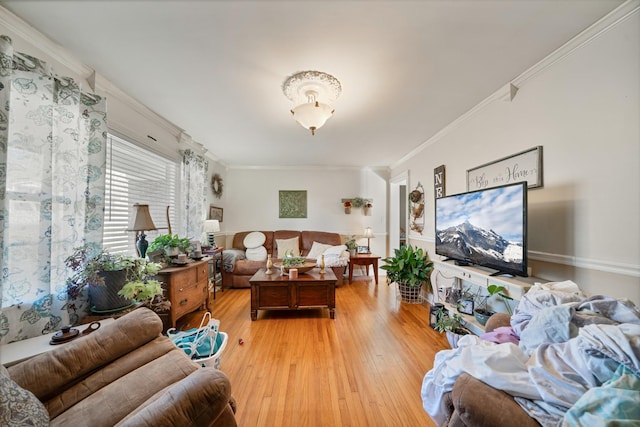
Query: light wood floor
[364, 368]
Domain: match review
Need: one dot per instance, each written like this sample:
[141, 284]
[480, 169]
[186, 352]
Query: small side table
[216, 255]
[366, 260]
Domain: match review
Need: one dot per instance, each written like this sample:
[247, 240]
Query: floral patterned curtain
[52, 169]
[193, 193]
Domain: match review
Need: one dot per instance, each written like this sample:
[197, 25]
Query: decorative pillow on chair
[317, 249]
[19, 407]
[288, 246]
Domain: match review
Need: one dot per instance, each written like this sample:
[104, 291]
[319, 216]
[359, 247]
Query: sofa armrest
[477, 404]
[201, 399]
[69, 363]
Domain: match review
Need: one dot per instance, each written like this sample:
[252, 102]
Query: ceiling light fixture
[312, 91]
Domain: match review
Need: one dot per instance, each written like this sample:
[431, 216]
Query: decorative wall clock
[216, 185]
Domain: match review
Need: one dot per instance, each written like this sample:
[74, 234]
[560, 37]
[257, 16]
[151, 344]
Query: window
[136, 175]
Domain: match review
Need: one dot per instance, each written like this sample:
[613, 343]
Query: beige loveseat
[123, 374]
[243, 269]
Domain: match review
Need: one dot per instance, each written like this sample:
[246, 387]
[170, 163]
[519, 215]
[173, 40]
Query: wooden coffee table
[308, 290]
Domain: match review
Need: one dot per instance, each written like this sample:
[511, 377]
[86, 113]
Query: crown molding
[382, 169]
[509, 90]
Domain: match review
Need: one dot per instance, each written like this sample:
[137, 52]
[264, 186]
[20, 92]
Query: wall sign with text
[438, 182]
[523, 166]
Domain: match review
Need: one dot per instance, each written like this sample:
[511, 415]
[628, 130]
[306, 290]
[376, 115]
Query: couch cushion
[286, 246]
[308, 237]
[19, 407]
[254, 239]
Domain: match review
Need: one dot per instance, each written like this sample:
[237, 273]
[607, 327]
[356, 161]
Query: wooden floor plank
[302, 368]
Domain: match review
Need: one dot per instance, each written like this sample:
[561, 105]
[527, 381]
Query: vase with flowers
[347, 207]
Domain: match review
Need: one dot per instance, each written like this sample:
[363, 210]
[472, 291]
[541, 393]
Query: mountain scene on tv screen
[483, 227]
[479, 246]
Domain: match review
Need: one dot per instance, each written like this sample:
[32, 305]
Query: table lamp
[211, 226]
[368, 233]
[142, 223]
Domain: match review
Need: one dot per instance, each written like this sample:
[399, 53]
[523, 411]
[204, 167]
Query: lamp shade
[312, 115]
[368, 233]
[211, 226]
[142, 219]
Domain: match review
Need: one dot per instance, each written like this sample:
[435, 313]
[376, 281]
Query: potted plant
[452, 325]
[366, 209]
[105, 274]
[351, 245]
[347, 206]
[411, 269]
[171, 244]
[482, 313]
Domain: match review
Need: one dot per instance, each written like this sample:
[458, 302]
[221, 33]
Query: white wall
[584, 110]
[252, 195]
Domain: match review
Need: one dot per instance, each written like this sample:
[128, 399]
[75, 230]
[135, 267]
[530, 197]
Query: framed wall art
[215, 213]
[523, 166]
[293, 204]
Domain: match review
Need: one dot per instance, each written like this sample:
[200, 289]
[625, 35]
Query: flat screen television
[486, 227]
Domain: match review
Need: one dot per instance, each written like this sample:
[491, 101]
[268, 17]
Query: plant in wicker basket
[411, 269]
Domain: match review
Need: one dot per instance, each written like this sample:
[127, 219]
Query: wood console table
[308, 290]
[187, 287]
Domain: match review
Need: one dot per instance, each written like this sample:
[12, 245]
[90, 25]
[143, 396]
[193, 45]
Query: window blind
[136, 175]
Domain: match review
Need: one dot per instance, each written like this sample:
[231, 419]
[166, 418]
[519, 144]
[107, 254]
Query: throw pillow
[254, 239]
[19, 407]
[335, 250]
[256, 254]
[288, 246]
[317, 249]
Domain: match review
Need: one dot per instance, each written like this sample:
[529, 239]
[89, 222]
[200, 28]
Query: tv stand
[463, 276]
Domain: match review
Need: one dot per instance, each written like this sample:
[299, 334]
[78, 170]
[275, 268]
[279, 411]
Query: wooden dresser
[187, 287]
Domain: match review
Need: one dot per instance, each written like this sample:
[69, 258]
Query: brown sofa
[473, 403]
[244, 269]
[123, 374]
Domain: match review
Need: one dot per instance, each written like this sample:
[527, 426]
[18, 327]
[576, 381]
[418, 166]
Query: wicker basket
[410, 294]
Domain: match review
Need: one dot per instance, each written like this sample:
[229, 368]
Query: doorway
[398, 211]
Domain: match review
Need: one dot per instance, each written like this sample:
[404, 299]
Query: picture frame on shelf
[465, 306]
[156, 256]
[215, 213]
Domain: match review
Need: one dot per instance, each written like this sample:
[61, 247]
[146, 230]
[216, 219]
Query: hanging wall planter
[347, 207]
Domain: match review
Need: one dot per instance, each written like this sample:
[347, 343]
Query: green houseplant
[170, 243]
[452, 325]
[105, 274]
[411, 269]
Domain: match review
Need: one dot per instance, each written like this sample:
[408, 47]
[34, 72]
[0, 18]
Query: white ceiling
[215, 68]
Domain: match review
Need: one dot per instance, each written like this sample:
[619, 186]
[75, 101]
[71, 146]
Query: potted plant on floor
[452, 325]
[104, 275]
[411, 269]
